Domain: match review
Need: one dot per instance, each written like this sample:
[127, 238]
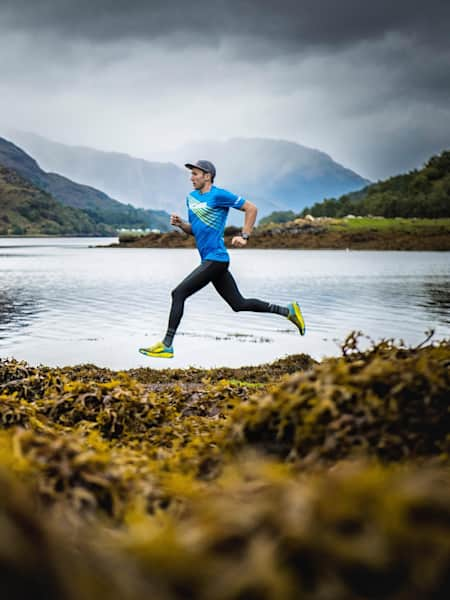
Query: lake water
[63, 302]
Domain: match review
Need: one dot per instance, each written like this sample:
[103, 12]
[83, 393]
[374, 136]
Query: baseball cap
[204, 165]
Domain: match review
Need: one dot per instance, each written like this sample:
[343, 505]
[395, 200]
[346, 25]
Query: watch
[245, 236]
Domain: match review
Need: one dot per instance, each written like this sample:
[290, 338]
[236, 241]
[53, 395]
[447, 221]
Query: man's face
[199, 178]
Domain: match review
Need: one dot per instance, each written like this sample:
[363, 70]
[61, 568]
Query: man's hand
[238, 241]
[176, 221]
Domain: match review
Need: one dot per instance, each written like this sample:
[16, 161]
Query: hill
[276, 174]
[27, 210]
[131, 180]
[102, 209]
[421, 193]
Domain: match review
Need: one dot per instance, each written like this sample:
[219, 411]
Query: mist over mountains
[98, 206]
[275, 174]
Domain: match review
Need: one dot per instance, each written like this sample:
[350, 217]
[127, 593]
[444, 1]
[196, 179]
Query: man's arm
[176, 221]
[249, 220]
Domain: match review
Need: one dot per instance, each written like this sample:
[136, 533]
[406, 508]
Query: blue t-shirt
[207, 215]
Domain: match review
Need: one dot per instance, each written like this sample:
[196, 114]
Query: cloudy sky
[367, 83]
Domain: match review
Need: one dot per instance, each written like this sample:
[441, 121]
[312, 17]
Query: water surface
[63, 302]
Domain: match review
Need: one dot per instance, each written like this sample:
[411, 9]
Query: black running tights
[217, 273]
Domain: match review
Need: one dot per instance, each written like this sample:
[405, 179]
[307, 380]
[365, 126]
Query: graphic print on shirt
[206, 214]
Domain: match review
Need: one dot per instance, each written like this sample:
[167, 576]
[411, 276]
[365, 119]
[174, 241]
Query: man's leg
[195, 281]
[227, 288]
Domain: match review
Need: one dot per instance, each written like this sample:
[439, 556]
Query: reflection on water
[62, 302]
[437, 299]
[18, 307]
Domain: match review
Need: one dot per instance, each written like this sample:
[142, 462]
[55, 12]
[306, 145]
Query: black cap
[203, 165]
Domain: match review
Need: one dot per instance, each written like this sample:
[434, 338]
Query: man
[208, 208]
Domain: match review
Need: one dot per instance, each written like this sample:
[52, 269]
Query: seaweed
[359, 531]
[294, 480]
[387, 402]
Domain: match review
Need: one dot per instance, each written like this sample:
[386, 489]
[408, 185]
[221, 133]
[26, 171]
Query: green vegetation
[118, 215]
[105, 213]
[423, 193]
[26, 210]
[126, 236]
[279, 216]
[393, 225]
[291, 480]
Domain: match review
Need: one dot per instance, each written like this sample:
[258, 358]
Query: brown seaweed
[293, 480]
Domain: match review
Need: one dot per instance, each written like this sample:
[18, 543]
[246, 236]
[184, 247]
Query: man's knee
[178, 293]
[238, 305]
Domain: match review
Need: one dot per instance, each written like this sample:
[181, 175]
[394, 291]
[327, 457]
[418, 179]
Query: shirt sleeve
[227, 199]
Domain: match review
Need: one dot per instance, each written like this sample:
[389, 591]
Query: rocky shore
[323, 233]
[291, 480]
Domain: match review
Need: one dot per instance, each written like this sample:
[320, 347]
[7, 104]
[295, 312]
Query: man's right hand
[176, 221]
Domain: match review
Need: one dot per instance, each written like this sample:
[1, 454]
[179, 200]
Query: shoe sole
[301, 321]
[153, 355]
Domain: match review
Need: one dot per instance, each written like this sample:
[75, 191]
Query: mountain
[97, 205]
[275, 174]
[421, 193]
[145, 184]
[27, 210]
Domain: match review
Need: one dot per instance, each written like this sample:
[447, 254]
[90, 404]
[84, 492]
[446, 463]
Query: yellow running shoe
[296, 317]
[158, 350]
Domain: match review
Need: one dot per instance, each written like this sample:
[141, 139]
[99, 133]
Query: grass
[383, 224]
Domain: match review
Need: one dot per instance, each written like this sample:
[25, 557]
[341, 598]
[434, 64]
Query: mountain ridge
[420, 193]
[95, 203]
[245, 165]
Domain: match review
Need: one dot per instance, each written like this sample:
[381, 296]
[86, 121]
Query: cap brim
[191, 166]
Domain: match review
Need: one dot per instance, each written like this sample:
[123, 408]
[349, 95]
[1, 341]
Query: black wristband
[245, 236]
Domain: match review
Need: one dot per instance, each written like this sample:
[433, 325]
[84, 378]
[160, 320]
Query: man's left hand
[238, 241]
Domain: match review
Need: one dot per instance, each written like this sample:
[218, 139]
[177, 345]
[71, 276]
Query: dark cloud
[366, 82]
[286, 24]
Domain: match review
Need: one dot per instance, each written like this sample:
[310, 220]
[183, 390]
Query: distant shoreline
[324, 234]
[53, 237]
[304, 234]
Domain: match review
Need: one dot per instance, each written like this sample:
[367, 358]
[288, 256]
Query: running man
[208, 208]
